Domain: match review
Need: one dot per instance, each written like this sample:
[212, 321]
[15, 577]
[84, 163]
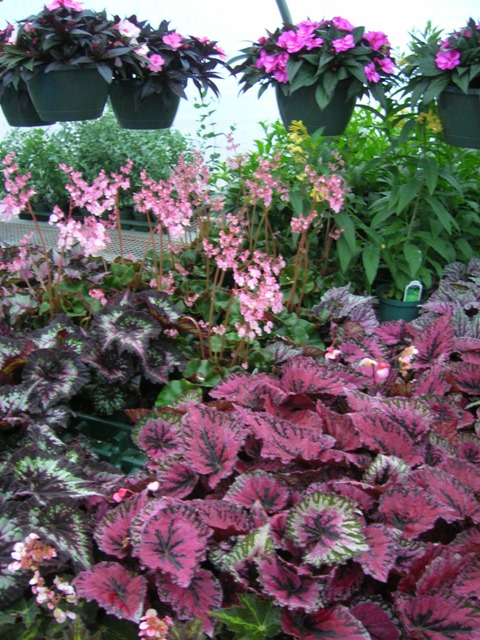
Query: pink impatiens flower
[387, 65]
[343, 44]
[128, 29]
[64, 4]
[342, 24]
[155, 62]
[371, 72]
[174, 40]
[377, 40]
[448, 59]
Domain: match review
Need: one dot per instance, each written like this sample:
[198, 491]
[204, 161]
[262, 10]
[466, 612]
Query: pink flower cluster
[151, 626]
[64, 4]
[18, 194]
[264, 185]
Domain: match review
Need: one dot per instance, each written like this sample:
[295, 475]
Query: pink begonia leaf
[467, 583]
[382, 434]
[381, 556]
[203, 594]
[328, 529]
[115, 589]
[458, 501]
[376, 621]
[222, 515]
[437, 341]
[344, 581]
[259, 485]
[362, 494]
[177, 479]
[212, 442]
[249, 391]
[441, 571]
[411, 511]
[112, 534]
[284, 439]
[339, 426]
[466, 378]
[438, 617]
[431, 382]
[394, 333]
[335, 623]
[173, 540]
[158, 438]
[465, 472]
[306, 376]
[287, 587]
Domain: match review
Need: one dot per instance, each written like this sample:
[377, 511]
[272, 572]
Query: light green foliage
[255, 619]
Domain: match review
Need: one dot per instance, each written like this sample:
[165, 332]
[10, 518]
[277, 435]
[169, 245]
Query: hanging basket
[69, 93]
[302, 105]
[156, 111]
[18, 109]
[460, 117]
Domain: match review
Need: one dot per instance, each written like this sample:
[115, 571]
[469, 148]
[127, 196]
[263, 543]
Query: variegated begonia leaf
[128, 330]
[377, 620]
[157, 437]
[344, 581]
[287, 586]
[437, 341]
[284, 439]
[259, 486]
[381, 556]
[413, 415]
[257, 543]
[65, 526]
[466, 378]
[384, 469]
[176, 479]
[113, 588]
[438, 617]
[112, 534]
[14, 406]
[327, 528]
[332, 623]
[60, 333]
[173, 540]
[212, 442]
[53, 375]
[111, 365]
[160, 307]
[48, 477]
[203, 594]
[159, 361]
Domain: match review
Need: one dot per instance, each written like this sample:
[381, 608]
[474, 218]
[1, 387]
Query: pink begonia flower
[342, 24]
[64, 4]
[174, 40]
[155, 62]
[143, 50]
[447, 59]
[343, 44]
[128, 29]
[376, 39]
[371, 72]
[379, 371]
[332, 354]
[386, 64]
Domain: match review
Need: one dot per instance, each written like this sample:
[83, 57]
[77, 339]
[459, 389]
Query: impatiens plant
[319, 501]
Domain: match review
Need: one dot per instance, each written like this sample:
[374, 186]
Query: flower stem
[284, 12]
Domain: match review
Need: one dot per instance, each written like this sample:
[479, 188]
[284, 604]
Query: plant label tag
[413, 291]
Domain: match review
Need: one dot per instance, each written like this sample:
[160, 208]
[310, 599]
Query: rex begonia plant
[337, 498]
[322, 53]
[436, 61]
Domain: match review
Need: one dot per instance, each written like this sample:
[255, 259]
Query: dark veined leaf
[437, 341]
[60, 333]
[384, 469]
[284, 439]
[159, 361]
[253, 619]
[438, 617]
[203, 594]
[306, 376]
[257, 543]
[463, 470]
[250, 391]
[11, 584]
[327, 528]
[223, 515]
[258, 486]
[53, 375]
[48, 477]
[411, 511]
[119, 592]
[382, 553]
[112, 534]
[466, 377]
[339, 426]
[65, 526]
[173, 540]
[467, 583]
[376, 620]
[129, 330]
[335, 623]
[212, 442]
[288, 587]
[158, 438]
[177, 479]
